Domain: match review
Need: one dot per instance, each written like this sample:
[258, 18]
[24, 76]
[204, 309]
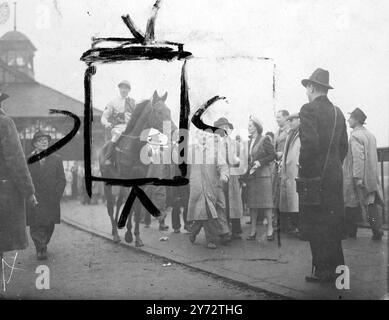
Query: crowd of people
[311, 147]
[309, 157]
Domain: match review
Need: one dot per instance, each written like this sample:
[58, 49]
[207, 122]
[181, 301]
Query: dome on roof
[16, 36]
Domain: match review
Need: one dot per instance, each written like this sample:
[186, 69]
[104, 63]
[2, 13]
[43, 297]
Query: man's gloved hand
[224, 178]
[33, 201]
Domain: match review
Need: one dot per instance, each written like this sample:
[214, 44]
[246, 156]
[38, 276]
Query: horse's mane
[140, 107]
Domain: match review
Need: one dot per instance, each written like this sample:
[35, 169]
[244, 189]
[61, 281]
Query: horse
[148, 114]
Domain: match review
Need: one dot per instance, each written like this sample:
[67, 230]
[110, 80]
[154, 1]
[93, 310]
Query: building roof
[16, 39]
[33, 99]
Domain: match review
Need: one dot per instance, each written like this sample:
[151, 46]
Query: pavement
[81, 265]
[257, 264]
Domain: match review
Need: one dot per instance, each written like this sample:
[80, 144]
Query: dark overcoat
[15, 186]
[316, 125]
[49, 181]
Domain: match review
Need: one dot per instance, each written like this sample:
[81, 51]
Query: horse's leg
[110, 208]
[128, 236]
[138, 211]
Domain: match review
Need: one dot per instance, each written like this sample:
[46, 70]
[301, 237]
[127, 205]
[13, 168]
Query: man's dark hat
[221, 122]
[358, 115]
[3, 96]
[293, 116]
[319, 77]
[40, 134]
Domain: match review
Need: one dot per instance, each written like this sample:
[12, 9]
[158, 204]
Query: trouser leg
[196, 227]
[236, 227]
[185, 215]
[176, 224]
[39, 237]
[211, 230]
[351, 216]
[327, 255]
[223, 221]
[49, 232]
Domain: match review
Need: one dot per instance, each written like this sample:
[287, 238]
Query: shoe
[163, 227]
[252, 237]
[313, 279]
[211, 245]
[378, 236]
[177, 231]
[236, 237]
[41, 255]
[147, 226]
[192, 237]
[187, 228]
[271, 237]
[225, 239]
[325, 278]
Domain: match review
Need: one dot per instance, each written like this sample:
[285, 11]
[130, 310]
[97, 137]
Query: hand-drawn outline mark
[60, 143]
[198, 122]
[125, 51]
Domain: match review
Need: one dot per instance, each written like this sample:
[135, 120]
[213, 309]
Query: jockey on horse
[115, 116]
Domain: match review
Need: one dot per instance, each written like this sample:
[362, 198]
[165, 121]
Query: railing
[383, 156]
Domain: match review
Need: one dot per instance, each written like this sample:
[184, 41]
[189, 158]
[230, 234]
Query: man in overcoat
[323, 225]
[361, 178]
[15, 186]
[207, 205]
[288, 202]
[229, 149]
[49, 179]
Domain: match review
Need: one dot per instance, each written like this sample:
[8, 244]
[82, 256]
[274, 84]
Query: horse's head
[148, 114]
[160, 113]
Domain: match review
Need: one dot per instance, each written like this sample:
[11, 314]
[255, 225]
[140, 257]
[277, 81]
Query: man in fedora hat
[116, 115]
[15, 187]
[49, 179]
[232, 189]
[323, 225]
[362, 189]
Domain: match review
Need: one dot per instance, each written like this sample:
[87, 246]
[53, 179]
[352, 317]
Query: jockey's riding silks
[117, 114]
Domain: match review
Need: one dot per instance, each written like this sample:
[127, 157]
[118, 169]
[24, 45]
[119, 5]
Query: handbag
[310, 189]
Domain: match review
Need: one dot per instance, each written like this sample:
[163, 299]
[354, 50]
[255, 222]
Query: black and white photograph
[202, 152]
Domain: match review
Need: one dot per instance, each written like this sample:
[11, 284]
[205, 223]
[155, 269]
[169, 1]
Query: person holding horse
[115, 117]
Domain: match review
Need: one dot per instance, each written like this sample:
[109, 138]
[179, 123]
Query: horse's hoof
[116, 239]
[139, 243]
[128, 237]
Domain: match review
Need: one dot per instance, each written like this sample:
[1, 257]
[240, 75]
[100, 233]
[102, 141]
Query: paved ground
[84, 266]
[259, 264]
